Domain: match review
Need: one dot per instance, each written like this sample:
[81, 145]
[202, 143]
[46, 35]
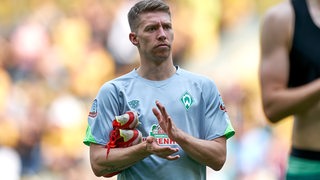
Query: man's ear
[133, 38]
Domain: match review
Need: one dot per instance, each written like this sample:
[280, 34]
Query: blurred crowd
[55, 55]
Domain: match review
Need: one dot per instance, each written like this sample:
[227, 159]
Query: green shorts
[302, 168]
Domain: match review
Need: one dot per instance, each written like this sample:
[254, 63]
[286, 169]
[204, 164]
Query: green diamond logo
[187, 100]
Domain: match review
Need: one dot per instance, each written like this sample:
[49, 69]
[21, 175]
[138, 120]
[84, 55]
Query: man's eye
[167, 27]
[151, 29]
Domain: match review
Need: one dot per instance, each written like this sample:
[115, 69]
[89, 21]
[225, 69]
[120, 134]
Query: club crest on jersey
[134, 104]
[186, 100]
[94, 110]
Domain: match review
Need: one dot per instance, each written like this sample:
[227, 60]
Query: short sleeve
[102, 112]
[217, 121]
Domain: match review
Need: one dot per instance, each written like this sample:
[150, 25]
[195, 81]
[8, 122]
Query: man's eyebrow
[157, 23]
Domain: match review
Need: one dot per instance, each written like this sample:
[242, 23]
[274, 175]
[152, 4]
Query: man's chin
[162, 57]
[163, 54]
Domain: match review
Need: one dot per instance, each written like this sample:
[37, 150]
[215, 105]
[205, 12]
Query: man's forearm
[210, 153]
[118, 158]
[291, 101]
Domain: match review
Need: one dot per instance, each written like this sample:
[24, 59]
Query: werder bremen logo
[186, 100]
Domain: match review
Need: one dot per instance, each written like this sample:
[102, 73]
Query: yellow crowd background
[55, 55]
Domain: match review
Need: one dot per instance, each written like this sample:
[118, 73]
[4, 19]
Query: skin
[154, 38]
[278, 100]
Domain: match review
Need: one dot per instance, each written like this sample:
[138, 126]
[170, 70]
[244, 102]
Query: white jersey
[193, 102]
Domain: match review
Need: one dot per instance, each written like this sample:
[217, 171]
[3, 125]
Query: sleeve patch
[94, 110]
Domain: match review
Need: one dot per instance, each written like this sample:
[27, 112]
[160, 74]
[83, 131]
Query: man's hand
[212, 153]
[162, 151]
[169, 128]
[165, 121]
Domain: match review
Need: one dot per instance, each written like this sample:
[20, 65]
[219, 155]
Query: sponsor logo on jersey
[161, 137]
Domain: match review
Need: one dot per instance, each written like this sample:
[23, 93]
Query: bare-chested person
[290, 79]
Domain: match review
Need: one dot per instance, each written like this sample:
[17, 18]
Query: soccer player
[182, 117]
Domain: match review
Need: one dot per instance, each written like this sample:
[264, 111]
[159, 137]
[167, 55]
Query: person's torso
[305, 50]
[184, 102]
[304, 68]
[192, 101]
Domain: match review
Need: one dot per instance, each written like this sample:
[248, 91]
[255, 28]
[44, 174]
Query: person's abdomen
[306, 128]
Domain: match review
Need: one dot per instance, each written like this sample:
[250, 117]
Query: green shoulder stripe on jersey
[229, 131]
[88, 139]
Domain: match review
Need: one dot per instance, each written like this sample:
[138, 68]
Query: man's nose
[161, 34]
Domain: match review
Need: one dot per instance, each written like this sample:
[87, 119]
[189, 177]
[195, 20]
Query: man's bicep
[274, 66]
[275, 43]
[274, 69]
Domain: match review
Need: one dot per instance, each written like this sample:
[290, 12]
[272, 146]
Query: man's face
[155, 35]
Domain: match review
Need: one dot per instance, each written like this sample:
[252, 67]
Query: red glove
[124, 133]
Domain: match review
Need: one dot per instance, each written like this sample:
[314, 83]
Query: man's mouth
[163, 45]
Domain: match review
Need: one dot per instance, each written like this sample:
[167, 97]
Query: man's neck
[157, 72]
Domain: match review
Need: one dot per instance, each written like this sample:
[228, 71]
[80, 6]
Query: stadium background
[55, 54]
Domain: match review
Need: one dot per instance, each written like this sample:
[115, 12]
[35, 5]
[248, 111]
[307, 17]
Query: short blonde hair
[143, 7]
